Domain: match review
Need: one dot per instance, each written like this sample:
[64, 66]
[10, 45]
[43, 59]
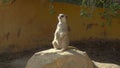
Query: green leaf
[52, 11]
[5, 1]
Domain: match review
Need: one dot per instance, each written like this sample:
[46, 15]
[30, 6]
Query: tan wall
[27, 24]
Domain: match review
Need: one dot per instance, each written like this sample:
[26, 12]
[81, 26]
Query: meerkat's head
[62, 18]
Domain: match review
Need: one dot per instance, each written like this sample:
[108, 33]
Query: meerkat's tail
[69, 47]
[72, 47]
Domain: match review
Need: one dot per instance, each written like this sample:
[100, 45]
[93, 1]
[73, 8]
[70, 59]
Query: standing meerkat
[61, 39]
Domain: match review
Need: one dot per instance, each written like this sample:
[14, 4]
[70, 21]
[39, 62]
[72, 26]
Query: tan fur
[61, 39]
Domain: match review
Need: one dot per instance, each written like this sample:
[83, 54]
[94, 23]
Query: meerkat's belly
[61, 32]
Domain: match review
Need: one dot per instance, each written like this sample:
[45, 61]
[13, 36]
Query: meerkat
[61, 38]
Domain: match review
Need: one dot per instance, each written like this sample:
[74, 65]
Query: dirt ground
[99, 50]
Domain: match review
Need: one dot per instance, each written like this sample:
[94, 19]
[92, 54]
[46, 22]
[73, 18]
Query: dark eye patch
[62, 16]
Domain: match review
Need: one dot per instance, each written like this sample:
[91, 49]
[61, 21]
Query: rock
[55, 59]
[105, 65]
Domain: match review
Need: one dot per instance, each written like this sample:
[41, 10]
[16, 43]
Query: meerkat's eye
[62, 16]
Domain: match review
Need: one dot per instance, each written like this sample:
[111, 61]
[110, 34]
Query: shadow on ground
[100, 50]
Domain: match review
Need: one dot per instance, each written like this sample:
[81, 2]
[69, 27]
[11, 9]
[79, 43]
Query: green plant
[51, 6]
[7, 2]
[110, 6]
